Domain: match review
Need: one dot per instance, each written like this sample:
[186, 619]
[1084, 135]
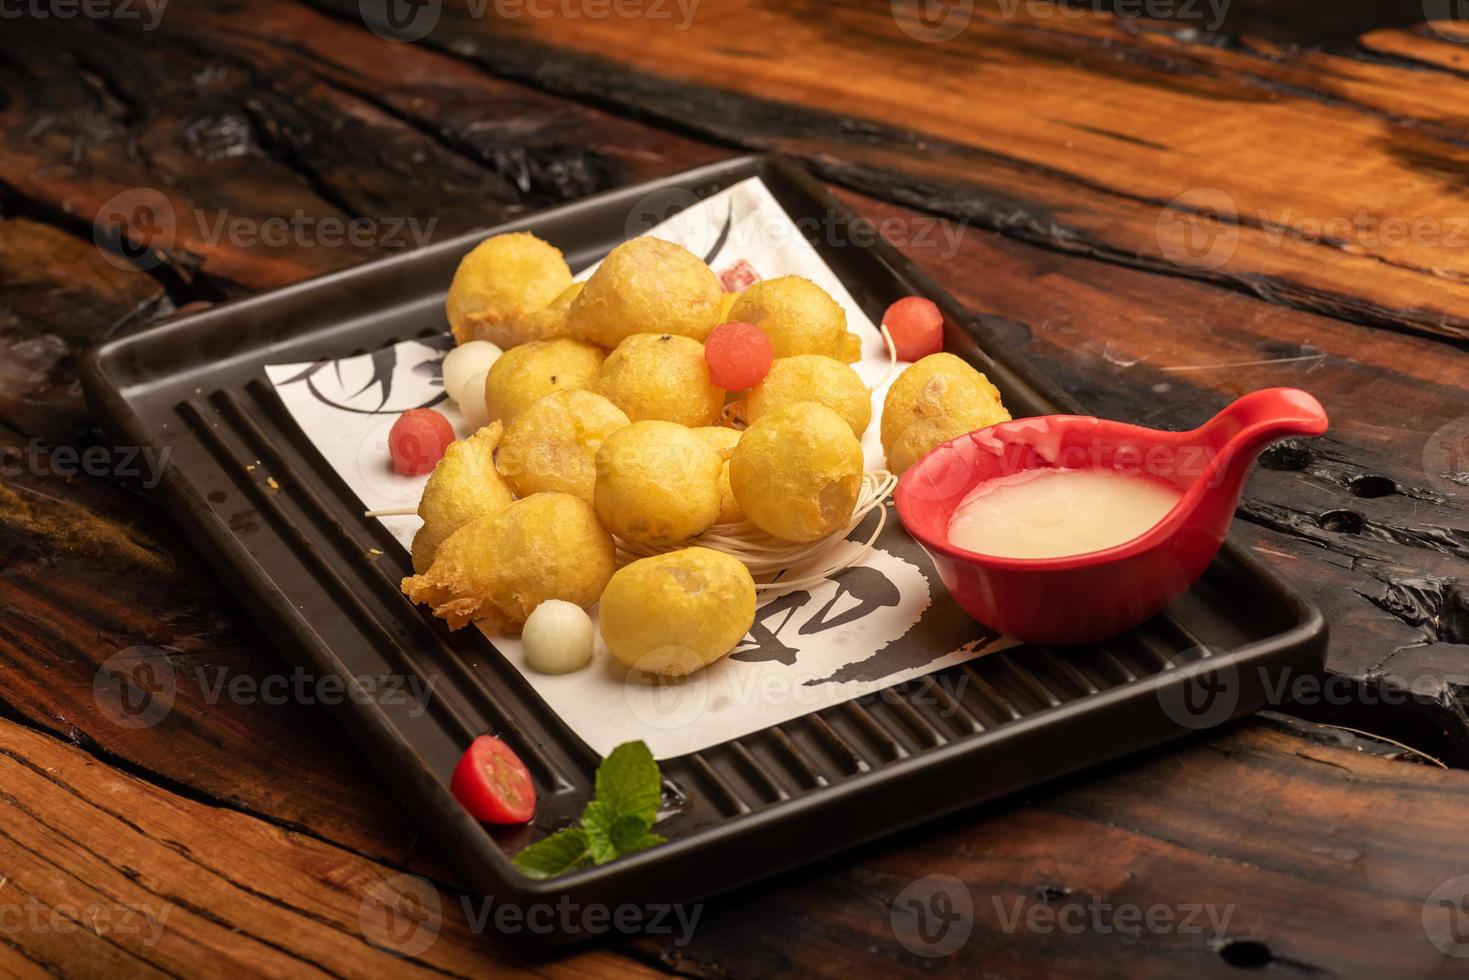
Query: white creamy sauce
[1051, 513]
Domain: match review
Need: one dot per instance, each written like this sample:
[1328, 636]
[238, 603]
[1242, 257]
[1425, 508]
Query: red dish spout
[1089, 597]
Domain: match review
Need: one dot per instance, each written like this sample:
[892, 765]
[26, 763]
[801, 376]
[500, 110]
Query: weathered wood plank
[217, 124]
[105, 874]
[1280, 853]
[1186, 155]
[1357, 519]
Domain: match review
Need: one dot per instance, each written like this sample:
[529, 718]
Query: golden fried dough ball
[726, 303]
[797, 472]
[552, 445]
[646, 286]
[916, 441]
[797, 315]
[851, 350]
[661, 376]
[547, 323]
[723, 441]
[505, 277]
[657, 483]
[462, 487]
[813, 378]
[498, 569]
[939, 386]
[528, 372]
[677, 613]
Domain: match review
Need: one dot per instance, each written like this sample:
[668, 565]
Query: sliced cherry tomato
[417, 441]
[739, 356]
[493, 784]
[917, 327]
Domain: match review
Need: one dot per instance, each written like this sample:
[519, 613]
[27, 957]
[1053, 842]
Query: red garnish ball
[417, 441]
[493, 784]
[917, 327]
[739, 356]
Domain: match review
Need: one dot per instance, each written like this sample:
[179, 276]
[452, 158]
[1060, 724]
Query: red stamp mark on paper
[738, 277]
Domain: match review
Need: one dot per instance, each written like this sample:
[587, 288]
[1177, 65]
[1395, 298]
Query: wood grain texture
[1124, 139]
[107, 875]
[1363, 519]
[1312, 860]
[265, 108]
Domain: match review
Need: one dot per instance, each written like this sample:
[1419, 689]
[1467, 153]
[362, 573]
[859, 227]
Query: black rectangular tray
[301, 559]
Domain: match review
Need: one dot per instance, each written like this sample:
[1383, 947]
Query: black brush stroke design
[384, 363]
[723, 238]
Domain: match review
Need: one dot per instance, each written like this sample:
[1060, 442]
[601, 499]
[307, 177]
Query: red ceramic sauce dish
[1089, 597]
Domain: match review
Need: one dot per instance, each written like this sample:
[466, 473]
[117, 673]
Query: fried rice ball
[498, 569]
[661, 376]
[503, 279]
[939, 386]
[813, 378]
[463, 486]
[547, 323]
[646, 285]
[797, 472]
[677, 613]
[797, 315]
[552, 445]
[723, 441]
[726, 303]
[921, 437]
[657, 483]
[531, 371]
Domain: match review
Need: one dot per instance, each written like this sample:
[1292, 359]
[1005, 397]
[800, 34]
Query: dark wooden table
[1167, 212]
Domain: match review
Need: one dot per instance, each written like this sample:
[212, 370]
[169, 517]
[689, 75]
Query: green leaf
[630, 836]
[628, 783]
[563, 851]
[617, 822]
[611, 836]
[598, 821]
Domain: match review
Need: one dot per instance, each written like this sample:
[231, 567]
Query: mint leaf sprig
[617, 822]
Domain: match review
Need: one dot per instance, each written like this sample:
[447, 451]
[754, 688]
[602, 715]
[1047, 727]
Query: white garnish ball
[471, 401]
[558, 637]
[465, 361]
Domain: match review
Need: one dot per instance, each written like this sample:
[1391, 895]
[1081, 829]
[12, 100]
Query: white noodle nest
[765, 554]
